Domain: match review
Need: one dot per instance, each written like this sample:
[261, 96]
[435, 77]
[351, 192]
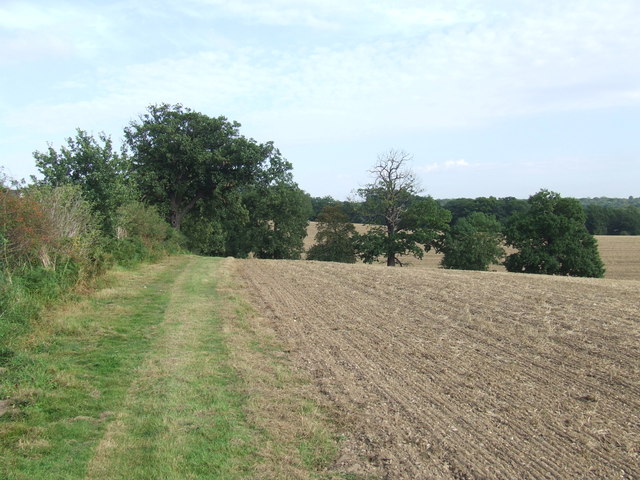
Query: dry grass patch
[299, 441]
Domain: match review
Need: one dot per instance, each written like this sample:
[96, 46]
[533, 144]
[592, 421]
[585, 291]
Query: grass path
[182, 416]
[163, 375]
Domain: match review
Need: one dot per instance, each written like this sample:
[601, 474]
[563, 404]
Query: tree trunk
[178, 211]
[391, 256]
[176, 219]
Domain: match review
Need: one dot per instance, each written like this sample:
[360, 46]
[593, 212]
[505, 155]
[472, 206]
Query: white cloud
[503, 64]
[28, 47]
[444, 166]
[26, 16]
[361, 69]
[35, 31]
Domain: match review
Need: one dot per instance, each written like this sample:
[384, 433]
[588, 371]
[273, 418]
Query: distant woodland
[605, 215]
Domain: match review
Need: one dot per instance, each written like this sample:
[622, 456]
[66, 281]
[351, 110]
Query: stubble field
[436, 373]
[620, 254]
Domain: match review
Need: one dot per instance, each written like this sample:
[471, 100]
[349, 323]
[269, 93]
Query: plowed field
[461, 375]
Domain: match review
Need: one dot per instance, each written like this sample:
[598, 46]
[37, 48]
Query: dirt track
[448, 374]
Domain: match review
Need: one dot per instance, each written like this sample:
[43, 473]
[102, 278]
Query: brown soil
[461, 375]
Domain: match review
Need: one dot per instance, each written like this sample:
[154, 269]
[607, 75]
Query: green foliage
[92, 165]
[386, 202]
[142, 235]
[218, 226]
[352, 209]
[624, 221]
[135, 219]
[229, 195]
[407, 223]
[613, 221]
[129, 252]
[371, 245]
[277, 222]
[74, 229]
[318, 204]
[605, 216]
[551, 238]
[597, 221]
[51, 241]
[26, 291]
[182, 158]
[474, 243]
[334, 240]
[419, 229]
[501, 208]
[48, 246]
[608, 202]
[426, 221]
[205, 236]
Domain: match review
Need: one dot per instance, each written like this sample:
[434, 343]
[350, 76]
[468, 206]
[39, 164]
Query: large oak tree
[182, 157]
[551, 238]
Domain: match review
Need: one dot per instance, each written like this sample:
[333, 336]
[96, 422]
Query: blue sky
[491, 97]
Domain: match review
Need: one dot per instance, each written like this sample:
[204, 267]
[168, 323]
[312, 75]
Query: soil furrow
[468, 375]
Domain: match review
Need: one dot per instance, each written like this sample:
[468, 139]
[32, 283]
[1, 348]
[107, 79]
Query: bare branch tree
[388, 198]
[395, 183]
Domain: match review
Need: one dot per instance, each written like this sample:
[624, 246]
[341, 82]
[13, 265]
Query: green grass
[141, 381]
[68, 377]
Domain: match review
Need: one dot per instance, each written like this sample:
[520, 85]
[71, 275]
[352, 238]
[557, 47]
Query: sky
[489, 97]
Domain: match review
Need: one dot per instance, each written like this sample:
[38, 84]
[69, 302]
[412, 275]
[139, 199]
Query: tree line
[183, 180]
[604, 216]
[547, 232]
[224, 193]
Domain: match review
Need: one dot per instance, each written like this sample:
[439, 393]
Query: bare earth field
[447, 374]
[620, 254]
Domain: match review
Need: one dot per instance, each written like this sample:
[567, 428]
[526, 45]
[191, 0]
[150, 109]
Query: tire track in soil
[441, 374]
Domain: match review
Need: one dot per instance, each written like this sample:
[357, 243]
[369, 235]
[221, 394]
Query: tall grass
[52, 246]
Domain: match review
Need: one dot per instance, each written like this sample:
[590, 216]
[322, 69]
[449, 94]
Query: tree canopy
[474, 243]
[181, 157]
[551, 238]
[226, 194]
[230, 194]
[409, 225]
[334, 240]
[277, 222]
[93, 165]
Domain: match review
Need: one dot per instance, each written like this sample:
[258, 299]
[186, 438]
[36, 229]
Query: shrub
[129, 252]
[135, 219]
[25, 230]
[74, 229]
[142, 234]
